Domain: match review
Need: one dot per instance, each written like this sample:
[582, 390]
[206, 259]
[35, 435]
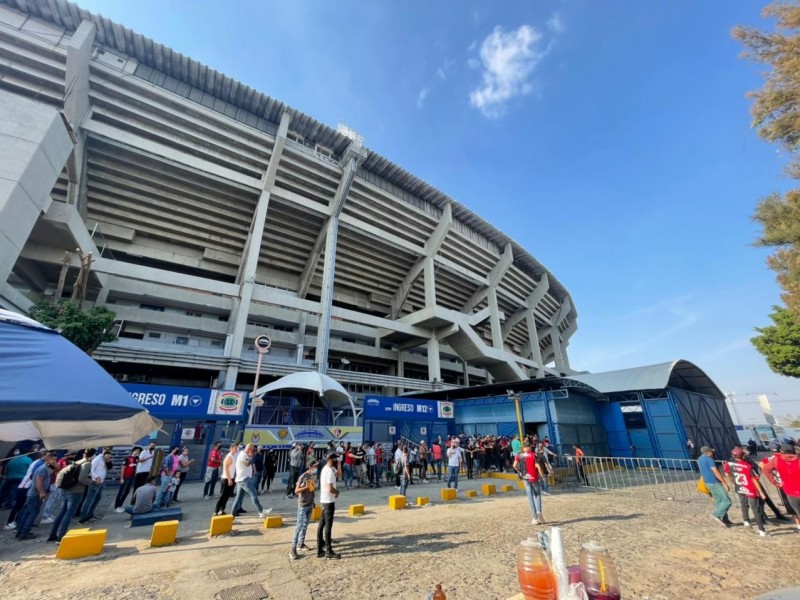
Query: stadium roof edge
[158, 56]
[678, 373]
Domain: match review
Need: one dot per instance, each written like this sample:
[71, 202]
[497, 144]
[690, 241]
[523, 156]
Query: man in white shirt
[144, 466]
[371, 464]
[327, 499]
[95, 493]
[454, 460]
[244, 479]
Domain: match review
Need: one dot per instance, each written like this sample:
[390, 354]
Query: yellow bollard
[164, 533]
[221, 525]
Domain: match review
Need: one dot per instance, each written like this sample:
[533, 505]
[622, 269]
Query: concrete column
[76, 95]
[434, 365]
[247, 274]
[533, 338]
[326, 300]
[494, 319]
[77, 106]
[430, 283]
[556, 342]
[401, 369]
[301, 336]
[34, 145]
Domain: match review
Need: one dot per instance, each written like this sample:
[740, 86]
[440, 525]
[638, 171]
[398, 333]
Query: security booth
[193, 417]
[389, 419]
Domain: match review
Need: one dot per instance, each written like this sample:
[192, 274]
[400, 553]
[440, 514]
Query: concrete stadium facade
[215, 214]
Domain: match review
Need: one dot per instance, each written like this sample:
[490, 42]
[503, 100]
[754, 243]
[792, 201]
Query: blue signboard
[173, 402]
[382, 408]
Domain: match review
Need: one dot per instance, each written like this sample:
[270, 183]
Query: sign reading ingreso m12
[384, 408]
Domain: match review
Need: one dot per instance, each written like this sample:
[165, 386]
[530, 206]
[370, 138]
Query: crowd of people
[72, 487]
[741, 474]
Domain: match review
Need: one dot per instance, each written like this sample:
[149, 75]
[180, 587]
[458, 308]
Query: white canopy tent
[326, 387]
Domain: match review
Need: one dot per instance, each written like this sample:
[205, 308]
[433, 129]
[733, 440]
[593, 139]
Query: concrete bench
[164, 533]
[156, 516]
[78, 543]
[470, 493]
[506, 488]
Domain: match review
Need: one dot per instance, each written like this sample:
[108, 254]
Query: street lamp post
[515, 396]
[262, 345]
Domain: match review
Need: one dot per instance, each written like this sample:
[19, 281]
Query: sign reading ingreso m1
[184, 402]
[384, 408]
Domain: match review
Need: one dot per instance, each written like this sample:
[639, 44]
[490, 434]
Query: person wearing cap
[787, 466]
[327, 499]
[295, 464]
[305, 505]
[744, 478]
[774, 447]
[716, 484]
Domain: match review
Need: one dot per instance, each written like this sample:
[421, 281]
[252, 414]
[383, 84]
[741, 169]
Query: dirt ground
[663, 550]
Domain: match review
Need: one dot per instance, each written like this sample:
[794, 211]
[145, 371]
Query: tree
[780, 343]
[776, 116]
[87, 330]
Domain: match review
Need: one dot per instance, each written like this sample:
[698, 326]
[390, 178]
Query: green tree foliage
[780, 343]
[87, 330]
[776, 116]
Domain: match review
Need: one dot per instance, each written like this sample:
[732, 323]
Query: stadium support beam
[77, 106]
[531, 302]
[247, 271]
[431, 248]
[559, 352]
[495, 277]
[354, 154]
[336, 209]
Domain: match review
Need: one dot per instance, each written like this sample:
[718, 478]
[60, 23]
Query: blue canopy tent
[51, 390]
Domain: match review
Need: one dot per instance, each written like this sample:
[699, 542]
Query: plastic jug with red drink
[598, 573]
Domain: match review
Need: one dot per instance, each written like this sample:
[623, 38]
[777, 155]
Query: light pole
[262, 345]
[513, 395]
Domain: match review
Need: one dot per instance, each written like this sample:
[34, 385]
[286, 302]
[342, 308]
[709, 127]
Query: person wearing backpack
[72, 480]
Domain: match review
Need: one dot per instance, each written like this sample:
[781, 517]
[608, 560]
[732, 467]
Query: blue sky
[611, 139]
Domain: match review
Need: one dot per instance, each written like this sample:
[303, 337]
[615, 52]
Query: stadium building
[214, 214]
[206, 214]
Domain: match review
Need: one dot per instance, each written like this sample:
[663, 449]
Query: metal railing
[658, 478]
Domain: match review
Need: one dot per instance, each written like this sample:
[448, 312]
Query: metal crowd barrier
[659, 478]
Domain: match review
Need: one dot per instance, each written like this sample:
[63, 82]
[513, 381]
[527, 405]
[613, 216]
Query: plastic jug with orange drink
[536, 577]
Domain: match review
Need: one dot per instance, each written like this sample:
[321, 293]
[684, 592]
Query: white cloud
[441, 72]
[508, 59]
[423, 93]
[554, 24]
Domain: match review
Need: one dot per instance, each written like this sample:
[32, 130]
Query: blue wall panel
[616, 432]
[663, 423]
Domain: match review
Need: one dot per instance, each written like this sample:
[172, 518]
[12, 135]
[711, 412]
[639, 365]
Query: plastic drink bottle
[598, 573]
[536, 578]
[438, 594]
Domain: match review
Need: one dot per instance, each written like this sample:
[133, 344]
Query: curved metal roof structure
[678, 373]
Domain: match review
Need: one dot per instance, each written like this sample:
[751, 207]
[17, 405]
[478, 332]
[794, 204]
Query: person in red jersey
[744, 478]
[787, 466]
